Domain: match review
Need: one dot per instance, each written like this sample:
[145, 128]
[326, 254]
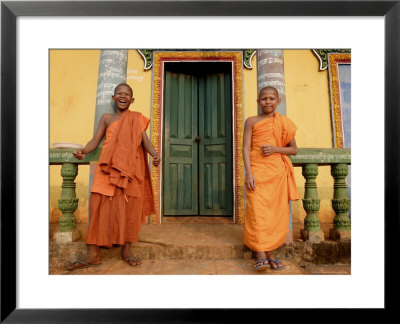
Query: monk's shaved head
[123, 85]
[268, 88]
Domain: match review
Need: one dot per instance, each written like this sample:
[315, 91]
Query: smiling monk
[121, 193]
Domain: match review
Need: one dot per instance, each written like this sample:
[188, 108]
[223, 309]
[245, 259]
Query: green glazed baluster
[68, 201]
[311, 203]
[340, 202]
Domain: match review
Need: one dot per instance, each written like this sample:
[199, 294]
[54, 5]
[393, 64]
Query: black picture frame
[10, 10]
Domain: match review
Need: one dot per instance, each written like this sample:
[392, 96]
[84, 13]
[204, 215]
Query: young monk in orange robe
[121, 193]
[270, 184]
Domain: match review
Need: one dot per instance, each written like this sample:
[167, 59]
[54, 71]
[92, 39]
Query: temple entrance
[197, 145]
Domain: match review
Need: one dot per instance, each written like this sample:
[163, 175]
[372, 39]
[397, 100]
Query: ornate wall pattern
[334, 60]
[236, 58]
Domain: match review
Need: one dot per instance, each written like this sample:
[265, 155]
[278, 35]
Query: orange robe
[121, 194]
[267, 207]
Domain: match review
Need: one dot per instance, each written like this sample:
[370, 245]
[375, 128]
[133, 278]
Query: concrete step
[200, 242]
[202, 267]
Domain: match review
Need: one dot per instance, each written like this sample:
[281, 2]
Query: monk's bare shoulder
[108, 119]
[251, 121]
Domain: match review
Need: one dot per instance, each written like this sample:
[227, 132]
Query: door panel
[180, 149]
[215, 163]
[197, 173]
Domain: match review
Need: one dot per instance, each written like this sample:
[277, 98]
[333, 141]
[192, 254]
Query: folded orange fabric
[267, 207]
[120, 183]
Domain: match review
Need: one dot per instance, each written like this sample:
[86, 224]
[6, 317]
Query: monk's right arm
[94, 142]
[250, 182]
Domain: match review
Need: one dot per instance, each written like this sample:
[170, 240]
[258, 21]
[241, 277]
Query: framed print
[20, 170]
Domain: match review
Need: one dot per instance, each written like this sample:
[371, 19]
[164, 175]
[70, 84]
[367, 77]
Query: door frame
[157, 117]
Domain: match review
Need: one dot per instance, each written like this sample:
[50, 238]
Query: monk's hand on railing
[268, 149]
[156, 160]
[250, 182]
[79, 154]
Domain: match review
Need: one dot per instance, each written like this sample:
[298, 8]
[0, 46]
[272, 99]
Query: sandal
[261, 265]
[278, 267]
[136, 260]
[82, 265]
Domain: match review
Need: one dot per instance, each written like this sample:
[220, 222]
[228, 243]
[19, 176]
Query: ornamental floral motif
[67, 224]
[69, 170]
[322, 55]
[311, 205]
[341, 223]
[66, 205]
[310, 170]
[334, 58]
[312, 223]
[339, 170]
[341, 205]
[147, 55]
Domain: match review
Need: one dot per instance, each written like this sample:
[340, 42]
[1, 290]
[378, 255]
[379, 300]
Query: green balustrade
[68, 202]
[308, 159]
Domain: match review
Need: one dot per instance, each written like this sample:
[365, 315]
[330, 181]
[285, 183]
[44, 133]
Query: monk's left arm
[147, 145]
[290, 149]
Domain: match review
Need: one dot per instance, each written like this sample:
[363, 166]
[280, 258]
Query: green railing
[338, 159]
[306, 158]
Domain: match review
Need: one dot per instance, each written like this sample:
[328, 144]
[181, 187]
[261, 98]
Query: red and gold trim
[334, 60]
[236, 57]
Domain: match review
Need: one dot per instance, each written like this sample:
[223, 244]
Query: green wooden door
[215, 151]
[180, 148]
[197, 164]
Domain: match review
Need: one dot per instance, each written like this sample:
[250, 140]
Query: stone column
[112, 71]
[270, 73]
[312, 231]
[340, 204]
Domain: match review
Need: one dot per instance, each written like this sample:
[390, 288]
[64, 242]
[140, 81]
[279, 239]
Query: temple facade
[198, 101]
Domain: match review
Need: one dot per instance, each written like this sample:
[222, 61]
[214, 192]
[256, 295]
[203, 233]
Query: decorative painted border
[147, 55]
[334, 60]
[322, 55]
[236, 58]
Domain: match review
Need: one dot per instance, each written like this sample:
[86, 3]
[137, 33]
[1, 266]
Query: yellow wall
[250, 90]
[308, 105]
[73, 86]
[140, 81]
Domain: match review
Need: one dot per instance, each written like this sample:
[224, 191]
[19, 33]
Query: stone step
[203, 267]
[201, 242]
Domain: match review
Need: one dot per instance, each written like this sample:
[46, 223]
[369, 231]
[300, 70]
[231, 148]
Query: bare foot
[274, 263]
[127, 257]
[262, 262]
[93, 258]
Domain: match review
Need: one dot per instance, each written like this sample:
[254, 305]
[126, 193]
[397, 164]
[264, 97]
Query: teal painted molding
[60, 156]
[318, 156]
[321, 156]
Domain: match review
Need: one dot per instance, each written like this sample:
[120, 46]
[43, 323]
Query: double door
[197, 165]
